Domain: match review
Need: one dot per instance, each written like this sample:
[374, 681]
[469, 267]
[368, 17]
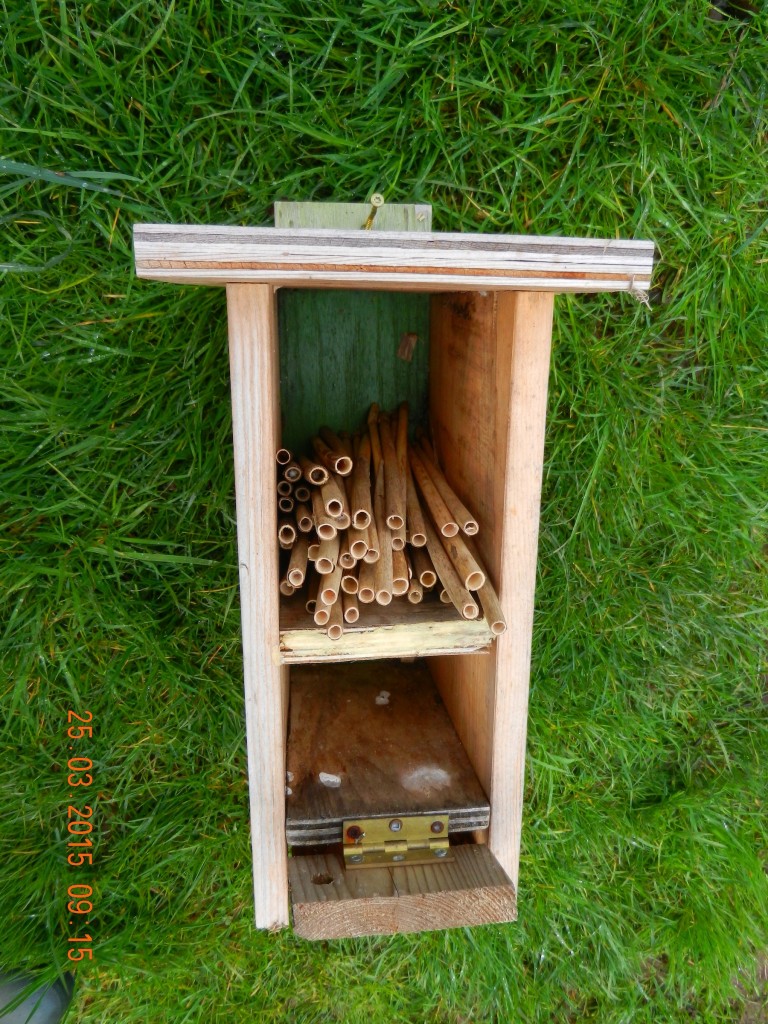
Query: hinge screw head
[441, 853]
[436, 827]
[395, 825]
[356, 858]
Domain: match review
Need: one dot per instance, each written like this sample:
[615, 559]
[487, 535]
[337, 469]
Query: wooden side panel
[329, 903]
[489, 373]
[255, 413]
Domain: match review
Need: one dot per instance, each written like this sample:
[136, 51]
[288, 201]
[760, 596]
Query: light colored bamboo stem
[349, 581]
[343, 522]
[444, 596]
[414, 518]
[366, 584]
[334, 498]
[327, 556]
[284, 488]
[342, 458]
[332, 458]
[346, 559]
[351, 610]
[313, 472]
[374, 546]
[399, 573]
[283, 456]
[287, 588]
[360, 497]
[383, 567]
[292, 472]
[394, 489]
[415, 592]
[329, 587]
[437, 507]
[489, 599]
[398, 539]
[304, 518]
[325, 526]
[285, 504]
[422, 567]
[322, 611]
[336, 622]
[358, 542]
[470, 573]
[286, 532]
[346, 444]
[455, 505]
[460, 597]
[313, 549]
[302, 494]
[297, 566]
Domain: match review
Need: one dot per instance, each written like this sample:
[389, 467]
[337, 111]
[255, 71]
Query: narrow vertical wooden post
[531, 342]
[253, 355]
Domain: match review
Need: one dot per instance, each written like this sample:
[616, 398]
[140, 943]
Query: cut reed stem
[394, 487]
[297, 566]
[458, 594]
[456, 507]
[313, 472]
[383, 567]
[437, 507]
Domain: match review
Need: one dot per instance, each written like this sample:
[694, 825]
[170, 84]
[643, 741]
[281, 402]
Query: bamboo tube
[351, 610]
[456, 507]
[313, 473]
[470, 573]
[426, 444]
[415, 592]
[459, 596]
[302, 494]
[349, 582]
[489, 599]
[422, 568]
[374, 547]
[401, 438]
[332, 458]
[437, 507]
[297, 567]
[336, 621]
[283, 456]
[383, 567]
[325, 526]
[303, 518]
[414, 518]
[358, 542]
[366, 592]
[334, 498]
[314, 585]
[292, 471]
[342, 522]
[346, 559]
[360, 496]
[322, 612]
[398, 539]
[286, 532]
[327, 556]
[285, 545]
[444, 597]
[373, 431]
[286, 588]
[394, 488]
[285, 504]
[329, 588]
[343, 465]
[312, 550]
[284, 488]
[399, 573]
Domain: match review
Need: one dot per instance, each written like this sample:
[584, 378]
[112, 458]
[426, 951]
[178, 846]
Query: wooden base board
[400, 630]
[331, 903]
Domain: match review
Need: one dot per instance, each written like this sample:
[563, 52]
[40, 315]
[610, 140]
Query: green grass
[643, 888]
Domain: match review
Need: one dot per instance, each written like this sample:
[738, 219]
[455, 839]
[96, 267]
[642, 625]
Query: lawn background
[643, 893]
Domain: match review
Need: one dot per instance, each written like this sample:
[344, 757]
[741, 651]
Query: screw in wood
[441, 853]
[395, 825]
[436, 827]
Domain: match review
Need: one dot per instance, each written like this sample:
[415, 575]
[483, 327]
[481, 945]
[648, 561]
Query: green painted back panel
[338, 353]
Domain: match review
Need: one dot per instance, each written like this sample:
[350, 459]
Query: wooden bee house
[413, 724]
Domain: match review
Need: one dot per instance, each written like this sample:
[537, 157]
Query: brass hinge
[409, 839]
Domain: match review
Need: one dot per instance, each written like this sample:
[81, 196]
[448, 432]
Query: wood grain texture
[329, 903]
[489, 370]
[351, 216]
[381, 734]
[253, 372]
[392, 260]
[400, 629]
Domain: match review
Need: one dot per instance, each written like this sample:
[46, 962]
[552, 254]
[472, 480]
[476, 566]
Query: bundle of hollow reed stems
[371, 517]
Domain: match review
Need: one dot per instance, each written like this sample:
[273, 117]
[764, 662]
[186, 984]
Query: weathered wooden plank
[329, 903]
[398, 630]
[392, 260]
[253, 372]
[369, 740]
[490, 367]
[351, 216]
